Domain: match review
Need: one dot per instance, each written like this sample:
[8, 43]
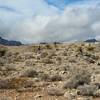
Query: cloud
[37, 21]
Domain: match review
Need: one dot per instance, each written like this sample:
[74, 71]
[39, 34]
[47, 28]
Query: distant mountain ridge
[9, 43]
[91, 40]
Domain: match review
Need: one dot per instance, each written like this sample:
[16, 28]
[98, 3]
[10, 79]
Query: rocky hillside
[50, 72]
[9, 43]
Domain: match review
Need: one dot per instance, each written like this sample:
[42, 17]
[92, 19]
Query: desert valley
[57, 71]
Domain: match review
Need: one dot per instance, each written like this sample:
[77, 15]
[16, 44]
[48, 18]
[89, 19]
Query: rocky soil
[50, 72]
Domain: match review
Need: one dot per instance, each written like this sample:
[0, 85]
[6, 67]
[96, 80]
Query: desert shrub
[47, 61]
[51, 55]
[54, 91]
[3, 51]
[65, 53]
[29, 63]
[87, 90]
[9, 54]
[28, 55]
[44, 54]
[93, 56]
[80, 77]
[20, 82]
[2, 61]
[4, 84]
[45, 77]
[56, 78]
[79, 49]
[72, 60]
[10, 67]
[97, 93]
[95, 78]
[35, 48]
[48, 46]
[50, 78]
[59, 59]
[90, 47]
[71, 95]
[30, 73]
[19, 58]
[90, 60]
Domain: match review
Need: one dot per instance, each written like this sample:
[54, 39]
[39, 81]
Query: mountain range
[9, 42]
[91, 40]
[18, 43]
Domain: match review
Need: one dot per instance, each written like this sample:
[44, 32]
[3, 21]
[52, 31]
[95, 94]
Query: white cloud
[96, 27]
[36, 21]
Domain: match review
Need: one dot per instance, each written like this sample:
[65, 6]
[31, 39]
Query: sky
[35, 21]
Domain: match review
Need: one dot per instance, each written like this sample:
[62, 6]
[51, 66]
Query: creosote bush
[48, 46]
[3, 51]
[79, 50]
[90, 47]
